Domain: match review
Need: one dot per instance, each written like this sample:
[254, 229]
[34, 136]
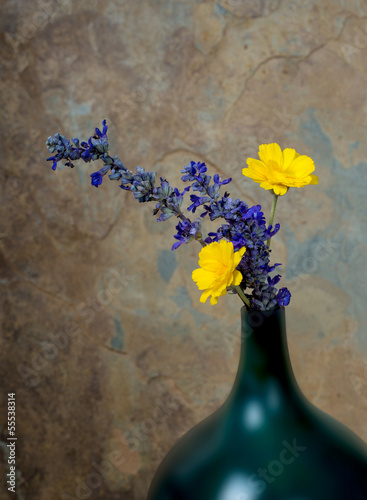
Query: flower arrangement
[236, 257]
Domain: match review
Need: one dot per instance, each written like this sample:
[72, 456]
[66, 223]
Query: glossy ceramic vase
[267, 441]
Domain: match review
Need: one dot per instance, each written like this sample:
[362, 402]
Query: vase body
[267, 441]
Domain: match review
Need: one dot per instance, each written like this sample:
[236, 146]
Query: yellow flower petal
[314, 179]
[217, 270]
[237, 278]
[280, 190]
[203, 278]
[271, 153]
[279, 170]
[301, 167]
[213, 300]
[267, 185]
[238, 256]
[289, 155]
[204, 296]
[255, 170]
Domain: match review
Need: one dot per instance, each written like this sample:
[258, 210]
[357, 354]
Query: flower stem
[199, 236]
[275, 199]
[242, 295]
[200, 239]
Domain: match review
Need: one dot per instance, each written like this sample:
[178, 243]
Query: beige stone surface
[103, 337]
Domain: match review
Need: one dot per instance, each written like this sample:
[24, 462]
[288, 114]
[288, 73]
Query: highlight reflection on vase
[267, 441]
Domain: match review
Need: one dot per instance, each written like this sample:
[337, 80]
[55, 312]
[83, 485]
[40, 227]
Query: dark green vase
[267, 441]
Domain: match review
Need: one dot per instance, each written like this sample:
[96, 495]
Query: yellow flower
[217, 271]
[280, 170]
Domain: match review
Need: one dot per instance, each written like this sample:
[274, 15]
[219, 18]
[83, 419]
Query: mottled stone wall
[103, 338]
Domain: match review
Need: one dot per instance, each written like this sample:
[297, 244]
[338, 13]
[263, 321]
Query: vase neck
[264, 350]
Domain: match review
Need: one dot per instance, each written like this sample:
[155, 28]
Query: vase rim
[269, 312]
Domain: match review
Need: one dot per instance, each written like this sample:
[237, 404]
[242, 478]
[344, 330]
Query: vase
[267, 441]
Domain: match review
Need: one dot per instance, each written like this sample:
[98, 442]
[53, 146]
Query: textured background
[103, 337]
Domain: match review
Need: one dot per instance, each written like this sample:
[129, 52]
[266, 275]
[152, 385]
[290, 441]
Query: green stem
[275, 199]
[242, 295]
